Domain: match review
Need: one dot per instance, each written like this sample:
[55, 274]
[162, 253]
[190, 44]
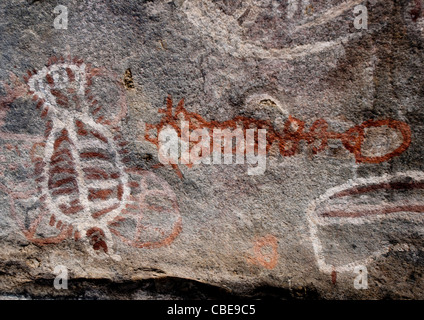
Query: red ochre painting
[82, 186]
[288, 140]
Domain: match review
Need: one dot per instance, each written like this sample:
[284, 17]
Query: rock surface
[82, 185]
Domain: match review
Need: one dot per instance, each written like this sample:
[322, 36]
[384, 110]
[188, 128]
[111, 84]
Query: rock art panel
[341, 185]
[265, 252]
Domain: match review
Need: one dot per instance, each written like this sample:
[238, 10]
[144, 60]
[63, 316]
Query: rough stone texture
[212, 231]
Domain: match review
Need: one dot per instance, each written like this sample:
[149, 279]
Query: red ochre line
[374, 187]
[99, 194]
[96, 174]
[151, 244]
[52, 220]
[71, 209]
[71, 74]
[60, 159]
[49, 79]
[115, 222]
[99, 136]
[377, 211]
[38, 168]
[49, 127]
[104, 211]
[293, 133]
[92, 176]
[65, 233]
[61, 98]
[99, 119]
[115, 175]
[96, 110]
[57, 169]
[75, 202]
[61, 182]
[64, 137]
[100, 174]
[44, 112]
[81, 131]
[133, 184]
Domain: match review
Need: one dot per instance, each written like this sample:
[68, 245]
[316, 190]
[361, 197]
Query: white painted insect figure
[84, 188]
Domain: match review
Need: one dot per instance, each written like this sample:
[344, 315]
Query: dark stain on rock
[334, 277]
[128, 79]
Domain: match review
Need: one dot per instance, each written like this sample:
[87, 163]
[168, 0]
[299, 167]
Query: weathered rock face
[83, 189]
